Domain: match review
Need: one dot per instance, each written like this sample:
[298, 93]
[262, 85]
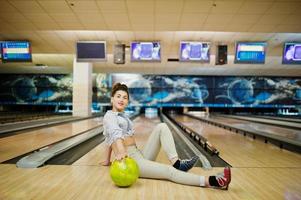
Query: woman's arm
[114, 135]
[107, 154]
[119, 149]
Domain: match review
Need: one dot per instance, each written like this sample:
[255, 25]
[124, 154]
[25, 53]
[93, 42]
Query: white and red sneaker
[222, 179]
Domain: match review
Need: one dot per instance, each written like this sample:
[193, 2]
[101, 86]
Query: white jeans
[161, 136]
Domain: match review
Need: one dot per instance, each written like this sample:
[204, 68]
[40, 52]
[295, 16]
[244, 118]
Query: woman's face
[119, 101]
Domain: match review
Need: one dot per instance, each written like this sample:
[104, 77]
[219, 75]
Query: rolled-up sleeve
[112, 130]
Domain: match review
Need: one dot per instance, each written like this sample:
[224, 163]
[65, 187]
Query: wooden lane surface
[142, 126]
[88, 180]
[19, 144]
[240, 151]
[93, 182]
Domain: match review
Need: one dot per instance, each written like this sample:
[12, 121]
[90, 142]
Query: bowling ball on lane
[124, 173]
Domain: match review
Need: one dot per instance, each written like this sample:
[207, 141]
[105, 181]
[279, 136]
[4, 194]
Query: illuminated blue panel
[16, 51]
[250, 52]
[157, 90]
[291, 53]
[194, 51]
[145, 51]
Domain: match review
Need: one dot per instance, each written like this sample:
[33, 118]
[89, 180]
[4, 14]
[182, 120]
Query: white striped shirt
[116, 125]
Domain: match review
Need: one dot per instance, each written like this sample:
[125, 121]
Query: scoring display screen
[16, 51]
[291, 53]
[145, 51]
[250, 52]
[194, 51]
[91, 51]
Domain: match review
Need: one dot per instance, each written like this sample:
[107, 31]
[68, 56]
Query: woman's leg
[154, 170]
[161, 135]
[151, 169]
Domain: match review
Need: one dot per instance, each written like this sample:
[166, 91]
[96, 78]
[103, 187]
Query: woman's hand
[121, 156]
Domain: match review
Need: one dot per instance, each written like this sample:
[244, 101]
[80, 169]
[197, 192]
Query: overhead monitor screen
[194, 51]
[291, 53]
[250, 52]
[145, 51]
[90, 51]
[16, 51]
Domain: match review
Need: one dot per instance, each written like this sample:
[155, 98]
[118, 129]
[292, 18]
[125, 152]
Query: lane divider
[38, 158]
[205, 163]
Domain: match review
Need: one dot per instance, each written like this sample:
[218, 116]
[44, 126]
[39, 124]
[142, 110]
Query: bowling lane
[240, 151]
[254, 119]
[19, 144]
[142, 126]
[292, 119]
[94, 182]
[258, 127]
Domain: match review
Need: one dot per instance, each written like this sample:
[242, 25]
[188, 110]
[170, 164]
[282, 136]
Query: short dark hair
[118, 86]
